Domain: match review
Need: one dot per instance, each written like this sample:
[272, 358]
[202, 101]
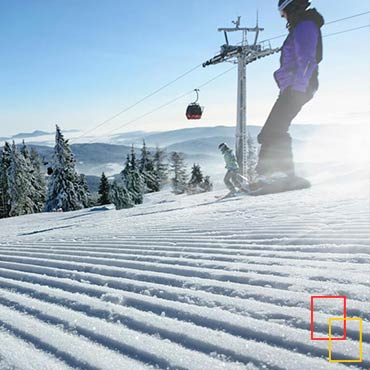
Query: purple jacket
[301, 54]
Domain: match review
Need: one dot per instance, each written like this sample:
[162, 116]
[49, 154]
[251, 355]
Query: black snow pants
[276, 153]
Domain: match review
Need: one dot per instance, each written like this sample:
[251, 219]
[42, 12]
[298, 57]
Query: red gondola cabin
[194, 110]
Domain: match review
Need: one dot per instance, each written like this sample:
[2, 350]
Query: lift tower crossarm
[250, 58]
[247, 29]
[228, 53]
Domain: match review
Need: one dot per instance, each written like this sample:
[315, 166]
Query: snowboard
[278, 185]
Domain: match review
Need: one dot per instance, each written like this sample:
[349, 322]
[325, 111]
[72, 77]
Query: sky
[78, 62]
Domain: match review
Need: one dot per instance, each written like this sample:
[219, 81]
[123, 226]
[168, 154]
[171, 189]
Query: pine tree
[119, 193]
[146, 168]
[104, 189]
[24, 150]
[19, 186]
[179, 181]
[126, 170]
[120, 196]
[133, 161]
[160, 167]
[4, 167]
[196, 179]
[251, 174]
[132, 178]
[37, 179]
[196, 175]
[207, 185]
[137, 187]
[198, 183]
[64, 183]
[145, 157]
[84, 190]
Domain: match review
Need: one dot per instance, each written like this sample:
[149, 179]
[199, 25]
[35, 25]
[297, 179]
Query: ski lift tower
[242, 54]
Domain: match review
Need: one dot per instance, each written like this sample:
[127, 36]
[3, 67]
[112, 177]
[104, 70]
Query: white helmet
[283, 4]
[300, 3]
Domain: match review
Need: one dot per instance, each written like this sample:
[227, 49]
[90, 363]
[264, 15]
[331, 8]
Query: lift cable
[326, 24]
[137, 103]
[344, 19]
[206, 83]
[348, 30]
[169, 102]
[84, 134]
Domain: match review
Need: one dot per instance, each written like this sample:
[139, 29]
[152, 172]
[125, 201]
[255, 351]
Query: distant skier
[297, 79]
[232, 178]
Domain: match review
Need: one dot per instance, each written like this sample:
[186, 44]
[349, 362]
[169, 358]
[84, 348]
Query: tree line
[150, 174]
[25, 189]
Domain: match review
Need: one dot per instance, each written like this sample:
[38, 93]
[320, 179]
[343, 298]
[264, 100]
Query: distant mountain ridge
[34, 134]
[91, 159]
[167, 138]
[199, 144]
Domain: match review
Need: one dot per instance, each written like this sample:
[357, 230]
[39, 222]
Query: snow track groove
[227, 284]
[15, 354]
[39, 274]
[75, 350]
[194, 336]
[114, 259]
[126, 341]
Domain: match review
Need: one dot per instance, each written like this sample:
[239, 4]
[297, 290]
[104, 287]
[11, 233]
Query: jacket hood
[310, 14]
[314, 15]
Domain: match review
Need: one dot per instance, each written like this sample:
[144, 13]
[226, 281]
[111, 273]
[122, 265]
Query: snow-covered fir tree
[38, 173]
[4, 166]
[196, 179]
[127, 167]
[37, 178]
[251, 174]
[24, 150]
[64, 190]
[133, 179]
[19, 184]
[198, 183]
[120, 196]
[104, 189]
[146, 167]
[160, 167]
[207, 185]
[84, 190]
[179, 179]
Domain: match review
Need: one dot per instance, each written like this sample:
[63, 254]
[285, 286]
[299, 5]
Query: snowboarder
[232, 179]
[297, 79]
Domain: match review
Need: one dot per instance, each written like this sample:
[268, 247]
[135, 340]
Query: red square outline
[344, 315]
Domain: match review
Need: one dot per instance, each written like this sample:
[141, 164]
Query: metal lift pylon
[242, 54]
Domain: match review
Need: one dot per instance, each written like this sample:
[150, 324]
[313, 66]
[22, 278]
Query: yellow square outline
[330, 337]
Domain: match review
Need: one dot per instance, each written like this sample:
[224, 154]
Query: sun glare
[347, 144]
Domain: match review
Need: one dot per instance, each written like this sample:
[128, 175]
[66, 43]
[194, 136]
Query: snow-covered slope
[187, 282]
